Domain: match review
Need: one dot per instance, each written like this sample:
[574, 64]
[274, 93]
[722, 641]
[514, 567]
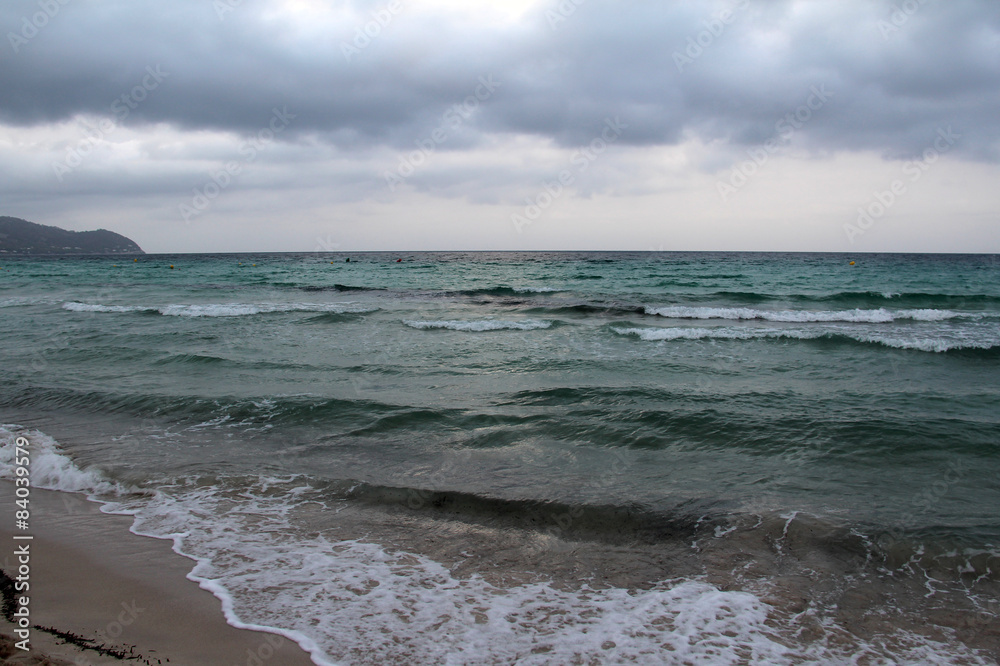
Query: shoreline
[93, 578]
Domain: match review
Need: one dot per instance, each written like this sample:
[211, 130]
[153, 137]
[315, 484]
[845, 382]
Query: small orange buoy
[852, 263]
[171, 265]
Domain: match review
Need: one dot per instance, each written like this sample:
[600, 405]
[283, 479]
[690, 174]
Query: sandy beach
[124, 594]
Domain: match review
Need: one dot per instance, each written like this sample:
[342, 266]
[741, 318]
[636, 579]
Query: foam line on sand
[93, 579]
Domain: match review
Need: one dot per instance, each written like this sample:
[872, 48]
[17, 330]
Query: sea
[538, 457]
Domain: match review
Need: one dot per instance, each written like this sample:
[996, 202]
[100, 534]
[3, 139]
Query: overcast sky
[245, 125]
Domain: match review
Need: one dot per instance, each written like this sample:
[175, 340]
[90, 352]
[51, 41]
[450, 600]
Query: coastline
[93, 578]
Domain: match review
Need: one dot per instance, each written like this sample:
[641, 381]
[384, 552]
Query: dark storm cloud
[669, 70]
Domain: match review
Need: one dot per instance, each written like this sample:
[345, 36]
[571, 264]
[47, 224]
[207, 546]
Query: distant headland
[19, 236]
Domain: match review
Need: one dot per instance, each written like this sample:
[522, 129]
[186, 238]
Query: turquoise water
[782, 426]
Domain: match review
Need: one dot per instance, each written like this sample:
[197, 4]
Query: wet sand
[92, 578]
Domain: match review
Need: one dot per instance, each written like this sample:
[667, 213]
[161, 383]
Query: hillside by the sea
[19, 236]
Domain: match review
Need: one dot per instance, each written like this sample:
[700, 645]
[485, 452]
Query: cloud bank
[326, 108]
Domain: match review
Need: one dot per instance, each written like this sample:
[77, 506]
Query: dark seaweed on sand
[10, 605]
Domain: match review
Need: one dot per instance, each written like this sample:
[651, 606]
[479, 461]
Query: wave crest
[897, 341]
[480, 325]
[857, 315]
[222, 309]
[51, 469]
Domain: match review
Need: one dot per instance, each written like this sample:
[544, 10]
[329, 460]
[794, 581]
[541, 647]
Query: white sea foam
[341, 598]
[223, 309]
[479, 325]
[398, 607]
[74, 306]
[879, 316]
[50, 468]
[938, 315]
[896, 339]
[242, 309]
[686, 333]
[352, 597]
[535, 290]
